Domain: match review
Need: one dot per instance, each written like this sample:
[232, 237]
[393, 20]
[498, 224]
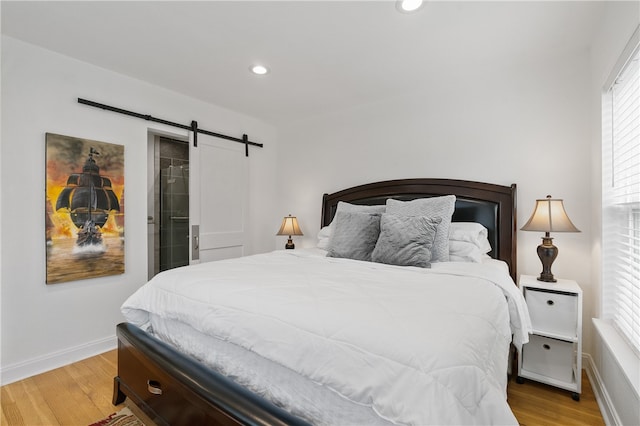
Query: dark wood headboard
[494, 206]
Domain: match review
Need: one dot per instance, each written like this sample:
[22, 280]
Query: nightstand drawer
[549, 357]
[554, 313]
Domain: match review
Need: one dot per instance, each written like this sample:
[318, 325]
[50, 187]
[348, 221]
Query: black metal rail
[192, 127]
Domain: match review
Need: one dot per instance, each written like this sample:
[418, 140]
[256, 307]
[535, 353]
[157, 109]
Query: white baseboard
[609, 414]
[22, 370]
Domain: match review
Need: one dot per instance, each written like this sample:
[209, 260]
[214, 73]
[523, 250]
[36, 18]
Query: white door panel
[219, 199]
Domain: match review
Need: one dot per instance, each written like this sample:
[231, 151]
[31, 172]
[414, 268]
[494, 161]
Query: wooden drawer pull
[153, 387]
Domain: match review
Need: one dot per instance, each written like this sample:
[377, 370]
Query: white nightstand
[554, 352]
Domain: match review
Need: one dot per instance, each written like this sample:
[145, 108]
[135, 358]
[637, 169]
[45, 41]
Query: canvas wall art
[84, 214]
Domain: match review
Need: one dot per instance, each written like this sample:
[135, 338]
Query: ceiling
[323, 55]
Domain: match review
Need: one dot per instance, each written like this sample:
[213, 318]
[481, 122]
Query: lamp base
[547, 278]
[547, 253]
[289, 245]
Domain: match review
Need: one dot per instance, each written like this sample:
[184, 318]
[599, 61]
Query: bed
[299, 337]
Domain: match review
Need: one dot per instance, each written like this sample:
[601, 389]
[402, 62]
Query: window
[621, 199]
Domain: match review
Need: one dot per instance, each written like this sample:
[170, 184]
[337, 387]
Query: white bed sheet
[418, 346]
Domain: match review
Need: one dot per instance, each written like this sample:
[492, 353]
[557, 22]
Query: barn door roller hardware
[192, 127]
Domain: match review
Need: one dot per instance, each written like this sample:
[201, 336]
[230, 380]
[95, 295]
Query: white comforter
[420, 346]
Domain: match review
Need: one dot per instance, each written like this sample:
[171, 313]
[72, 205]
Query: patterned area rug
[123, 417]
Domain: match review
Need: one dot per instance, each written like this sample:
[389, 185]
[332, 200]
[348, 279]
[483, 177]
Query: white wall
[529, 124]
[43, 326]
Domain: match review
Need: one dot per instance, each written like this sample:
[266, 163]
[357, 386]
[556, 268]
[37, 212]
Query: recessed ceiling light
[259, 69]
[407, 6]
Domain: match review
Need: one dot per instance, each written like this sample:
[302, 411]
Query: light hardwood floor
[538, 404]
[77, 394]
[80, 394]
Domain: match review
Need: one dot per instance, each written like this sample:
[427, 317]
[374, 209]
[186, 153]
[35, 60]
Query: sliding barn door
[219, 197]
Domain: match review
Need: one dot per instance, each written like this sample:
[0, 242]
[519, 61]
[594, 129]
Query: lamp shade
[290, 226]
[549, 216]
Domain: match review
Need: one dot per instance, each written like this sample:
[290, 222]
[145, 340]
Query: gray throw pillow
[344, 207]
[436, 208]
[405, 241]
[354, 235]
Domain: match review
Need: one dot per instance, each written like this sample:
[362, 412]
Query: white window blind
[621, 201]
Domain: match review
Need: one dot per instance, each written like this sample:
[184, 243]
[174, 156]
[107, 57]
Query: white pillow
[470, 232]
[324, 235]
[463, 251]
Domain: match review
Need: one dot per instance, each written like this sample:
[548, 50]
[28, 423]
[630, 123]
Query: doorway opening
[170, 218]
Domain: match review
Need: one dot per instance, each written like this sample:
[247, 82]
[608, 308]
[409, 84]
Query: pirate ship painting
[84, 208]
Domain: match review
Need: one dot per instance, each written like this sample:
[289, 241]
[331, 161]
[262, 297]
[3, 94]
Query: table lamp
[289, 227]
[548, 216]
